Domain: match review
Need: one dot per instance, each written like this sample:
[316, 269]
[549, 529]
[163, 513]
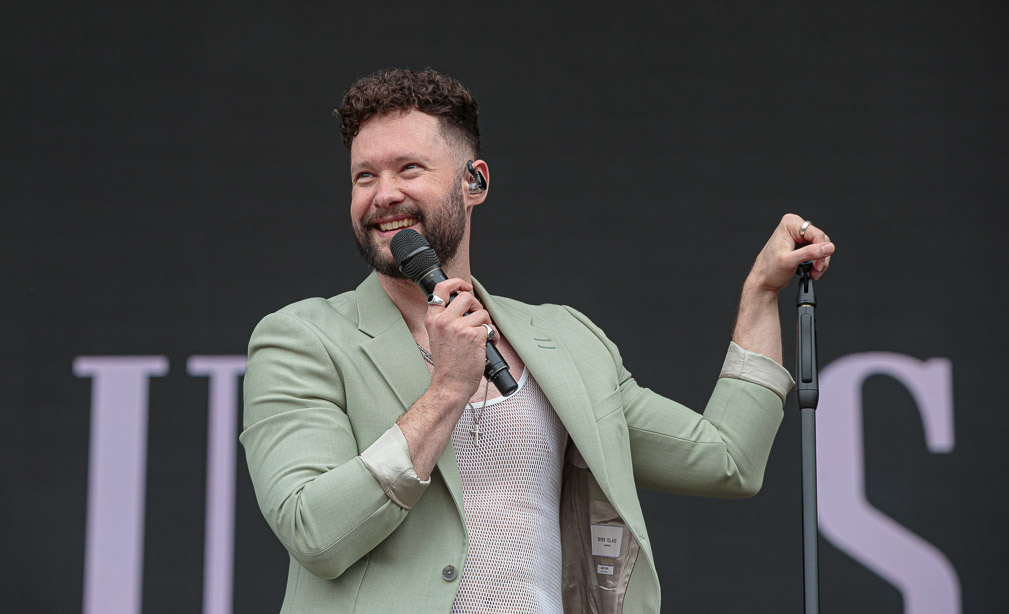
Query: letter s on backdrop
[922, 573]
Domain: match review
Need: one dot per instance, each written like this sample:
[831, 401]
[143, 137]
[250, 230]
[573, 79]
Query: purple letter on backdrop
[919, 570]
[219, 538]
[114, 545]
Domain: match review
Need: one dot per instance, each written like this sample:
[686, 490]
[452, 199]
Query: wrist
[757, 328]
[448, 394]
[755, 292]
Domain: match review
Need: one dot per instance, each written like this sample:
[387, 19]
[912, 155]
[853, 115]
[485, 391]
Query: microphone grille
[414, 255]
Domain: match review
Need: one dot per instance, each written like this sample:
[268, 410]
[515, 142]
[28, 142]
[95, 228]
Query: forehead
[393, 135]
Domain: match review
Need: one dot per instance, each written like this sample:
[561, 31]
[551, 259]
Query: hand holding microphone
[419, 262]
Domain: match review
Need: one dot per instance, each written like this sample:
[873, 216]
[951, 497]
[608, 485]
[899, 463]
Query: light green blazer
[326, 378]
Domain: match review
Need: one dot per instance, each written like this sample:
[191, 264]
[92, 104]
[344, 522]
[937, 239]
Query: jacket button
[449, 573]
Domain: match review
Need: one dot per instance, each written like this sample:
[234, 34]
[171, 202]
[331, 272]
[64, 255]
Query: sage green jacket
[326, 378]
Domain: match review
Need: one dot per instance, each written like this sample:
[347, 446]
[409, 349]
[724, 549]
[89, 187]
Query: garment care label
[604, 570]
[606, 540]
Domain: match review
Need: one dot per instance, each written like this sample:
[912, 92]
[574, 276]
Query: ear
[475, 198]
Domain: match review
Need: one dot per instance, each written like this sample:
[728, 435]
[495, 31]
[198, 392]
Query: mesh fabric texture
[511, 488]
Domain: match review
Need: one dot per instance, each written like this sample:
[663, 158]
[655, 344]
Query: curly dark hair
[401, 89]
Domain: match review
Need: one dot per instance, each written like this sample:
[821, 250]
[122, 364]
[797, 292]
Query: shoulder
[573, 326]
[313, 309]
[541, 315]
[548, 314]
[316, 314]
[546, 310]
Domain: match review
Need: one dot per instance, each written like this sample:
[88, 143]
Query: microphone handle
[495, 368]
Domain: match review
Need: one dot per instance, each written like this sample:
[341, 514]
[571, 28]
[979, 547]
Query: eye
[410, 169]
[363, 178]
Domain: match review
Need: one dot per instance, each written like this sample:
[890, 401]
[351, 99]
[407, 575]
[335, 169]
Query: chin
[382, 260]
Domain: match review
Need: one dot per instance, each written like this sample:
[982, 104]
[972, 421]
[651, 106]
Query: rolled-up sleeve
[756, 369]
[388, 459]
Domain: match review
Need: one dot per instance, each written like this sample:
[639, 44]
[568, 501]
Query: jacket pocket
[607, 405]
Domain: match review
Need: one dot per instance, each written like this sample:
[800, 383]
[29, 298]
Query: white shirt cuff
[388, 459]
[757, 369]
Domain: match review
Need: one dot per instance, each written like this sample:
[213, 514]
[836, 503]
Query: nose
[387, 191]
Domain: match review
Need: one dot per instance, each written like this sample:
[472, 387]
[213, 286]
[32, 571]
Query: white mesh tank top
[511, 488]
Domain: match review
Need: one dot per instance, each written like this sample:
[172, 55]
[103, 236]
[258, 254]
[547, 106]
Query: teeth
[397, 224]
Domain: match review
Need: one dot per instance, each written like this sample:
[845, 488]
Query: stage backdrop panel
[171, 174]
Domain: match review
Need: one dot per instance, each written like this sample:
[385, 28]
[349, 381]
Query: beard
[444, 228]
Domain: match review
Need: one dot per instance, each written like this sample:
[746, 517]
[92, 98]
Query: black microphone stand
[807, 393]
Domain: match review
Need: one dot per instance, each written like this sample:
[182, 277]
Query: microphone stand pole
[807, 393]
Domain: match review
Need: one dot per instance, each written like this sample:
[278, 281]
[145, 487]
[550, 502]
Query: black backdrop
[171, 174]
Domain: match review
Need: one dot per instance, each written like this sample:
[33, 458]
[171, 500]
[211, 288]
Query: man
[380, 463]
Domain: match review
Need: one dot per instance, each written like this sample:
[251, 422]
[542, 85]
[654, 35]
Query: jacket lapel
[390, 344]
[550, 362]
[392, 350]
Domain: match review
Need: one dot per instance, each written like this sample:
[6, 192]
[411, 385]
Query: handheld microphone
[418, 261]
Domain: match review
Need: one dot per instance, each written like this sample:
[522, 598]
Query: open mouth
[396, 224]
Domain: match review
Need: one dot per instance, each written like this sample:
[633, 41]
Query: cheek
[358, 205]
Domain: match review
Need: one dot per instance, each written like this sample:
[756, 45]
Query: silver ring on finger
[490, 332]
[802, 229]
[434, 299]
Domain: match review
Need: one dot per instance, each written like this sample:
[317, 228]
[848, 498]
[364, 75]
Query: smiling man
[400, 480]
[426, 161]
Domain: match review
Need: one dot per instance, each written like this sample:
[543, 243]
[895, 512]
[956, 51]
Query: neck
[411, 300]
